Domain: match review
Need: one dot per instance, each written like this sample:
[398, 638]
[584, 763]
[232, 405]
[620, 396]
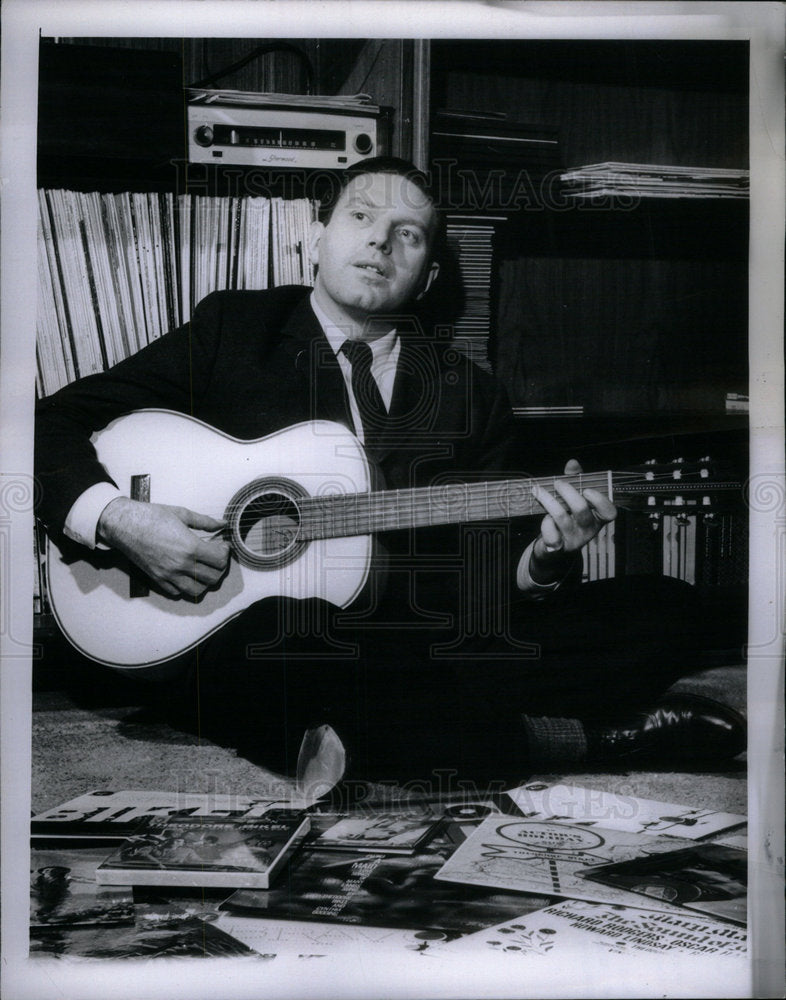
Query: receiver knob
[363, 143]
[204, 135]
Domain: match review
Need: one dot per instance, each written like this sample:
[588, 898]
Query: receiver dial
[204, 135]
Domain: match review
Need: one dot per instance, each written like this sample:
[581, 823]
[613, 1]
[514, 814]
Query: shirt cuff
[525, 582]
[81, 523]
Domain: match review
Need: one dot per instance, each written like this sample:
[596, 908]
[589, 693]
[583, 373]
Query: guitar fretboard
[338, 515]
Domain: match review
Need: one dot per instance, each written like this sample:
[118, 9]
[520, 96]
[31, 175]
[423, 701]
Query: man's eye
[410, 236]
[360, 216]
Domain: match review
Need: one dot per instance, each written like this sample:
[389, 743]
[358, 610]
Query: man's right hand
[159, 539]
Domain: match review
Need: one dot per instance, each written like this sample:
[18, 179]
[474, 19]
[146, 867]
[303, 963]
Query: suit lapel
[319, 384]
[314, 387]
[415, 402]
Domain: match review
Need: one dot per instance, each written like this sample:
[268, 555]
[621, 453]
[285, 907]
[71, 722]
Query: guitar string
[424, 506]
[468, 497]
[463, 496]
[431, 493]
[361, 513]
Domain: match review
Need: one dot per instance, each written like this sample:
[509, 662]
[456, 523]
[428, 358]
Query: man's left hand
[567, 527]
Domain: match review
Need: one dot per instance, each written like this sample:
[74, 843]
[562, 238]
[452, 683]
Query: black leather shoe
[680, 729]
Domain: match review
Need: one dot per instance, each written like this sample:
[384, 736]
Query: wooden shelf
[637, 311]
[688, 228]
[657, 64]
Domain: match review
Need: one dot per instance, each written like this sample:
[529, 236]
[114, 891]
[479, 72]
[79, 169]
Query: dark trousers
[411, 696]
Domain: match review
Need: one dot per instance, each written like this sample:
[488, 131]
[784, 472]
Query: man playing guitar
[467, 647]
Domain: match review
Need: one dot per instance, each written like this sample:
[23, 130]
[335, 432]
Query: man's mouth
[371, 268]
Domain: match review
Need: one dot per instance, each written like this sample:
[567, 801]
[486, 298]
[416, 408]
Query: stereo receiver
[282, 130]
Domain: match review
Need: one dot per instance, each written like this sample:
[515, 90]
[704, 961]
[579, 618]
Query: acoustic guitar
[300, 515]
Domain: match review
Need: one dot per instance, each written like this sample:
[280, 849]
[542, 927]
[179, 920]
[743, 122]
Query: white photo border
[406, 976]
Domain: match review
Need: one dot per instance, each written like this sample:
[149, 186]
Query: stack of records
[347, 102]
[472, 240]
[116, 271]
[653, 180]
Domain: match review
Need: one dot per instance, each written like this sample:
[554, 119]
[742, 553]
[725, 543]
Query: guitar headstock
[678, 487]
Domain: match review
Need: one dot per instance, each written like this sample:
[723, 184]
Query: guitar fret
[347, 512]
[449, 503]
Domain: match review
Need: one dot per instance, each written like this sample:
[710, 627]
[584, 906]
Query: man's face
[374, 254]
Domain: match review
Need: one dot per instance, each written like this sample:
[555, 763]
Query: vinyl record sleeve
[190, 851]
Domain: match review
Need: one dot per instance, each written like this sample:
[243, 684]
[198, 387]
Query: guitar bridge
[140, 490]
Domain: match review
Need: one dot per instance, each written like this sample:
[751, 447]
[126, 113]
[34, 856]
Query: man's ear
[431, 274]
[314, 236]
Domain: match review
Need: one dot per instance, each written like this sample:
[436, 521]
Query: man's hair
[402, 168]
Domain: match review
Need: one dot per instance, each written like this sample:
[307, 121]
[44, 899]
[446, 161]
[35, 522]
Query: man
[441, 632]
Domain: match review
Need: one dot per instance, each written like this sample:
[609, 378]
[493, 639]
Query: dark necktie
[365, 390]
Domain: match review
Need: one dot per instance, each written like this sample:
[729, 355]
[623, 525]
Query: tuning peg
[655, 521]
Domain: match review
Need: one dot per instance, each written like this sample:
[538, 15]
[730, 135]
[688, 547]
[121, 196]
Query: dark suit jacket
[250, 363]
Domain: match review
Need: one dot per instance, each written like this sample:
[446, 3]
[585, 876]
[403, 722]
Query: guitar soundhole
[264, 523]
[269, 524]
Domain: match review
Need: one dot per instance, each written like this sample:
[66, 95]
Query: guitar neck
[449, 503]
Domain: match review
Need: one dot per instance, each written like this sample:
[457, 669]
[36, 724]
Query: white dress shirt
[384, 362]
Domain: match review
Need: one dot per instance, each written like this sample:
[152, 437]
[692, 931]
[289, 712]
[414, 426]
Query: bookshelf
[619, 307]
[618, 325]
[116, 271]
[613, 311]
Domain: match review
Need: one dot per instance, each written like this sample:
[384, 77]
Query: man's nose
[379, 237]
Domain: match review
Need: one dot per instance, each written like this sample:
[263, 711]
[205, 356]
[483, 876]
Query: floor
[96, 738]
[78, 748]
[90, 732]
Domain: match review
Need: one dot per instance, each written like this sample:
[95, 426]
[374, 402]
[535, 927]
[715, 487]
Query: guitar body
[102, 602]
